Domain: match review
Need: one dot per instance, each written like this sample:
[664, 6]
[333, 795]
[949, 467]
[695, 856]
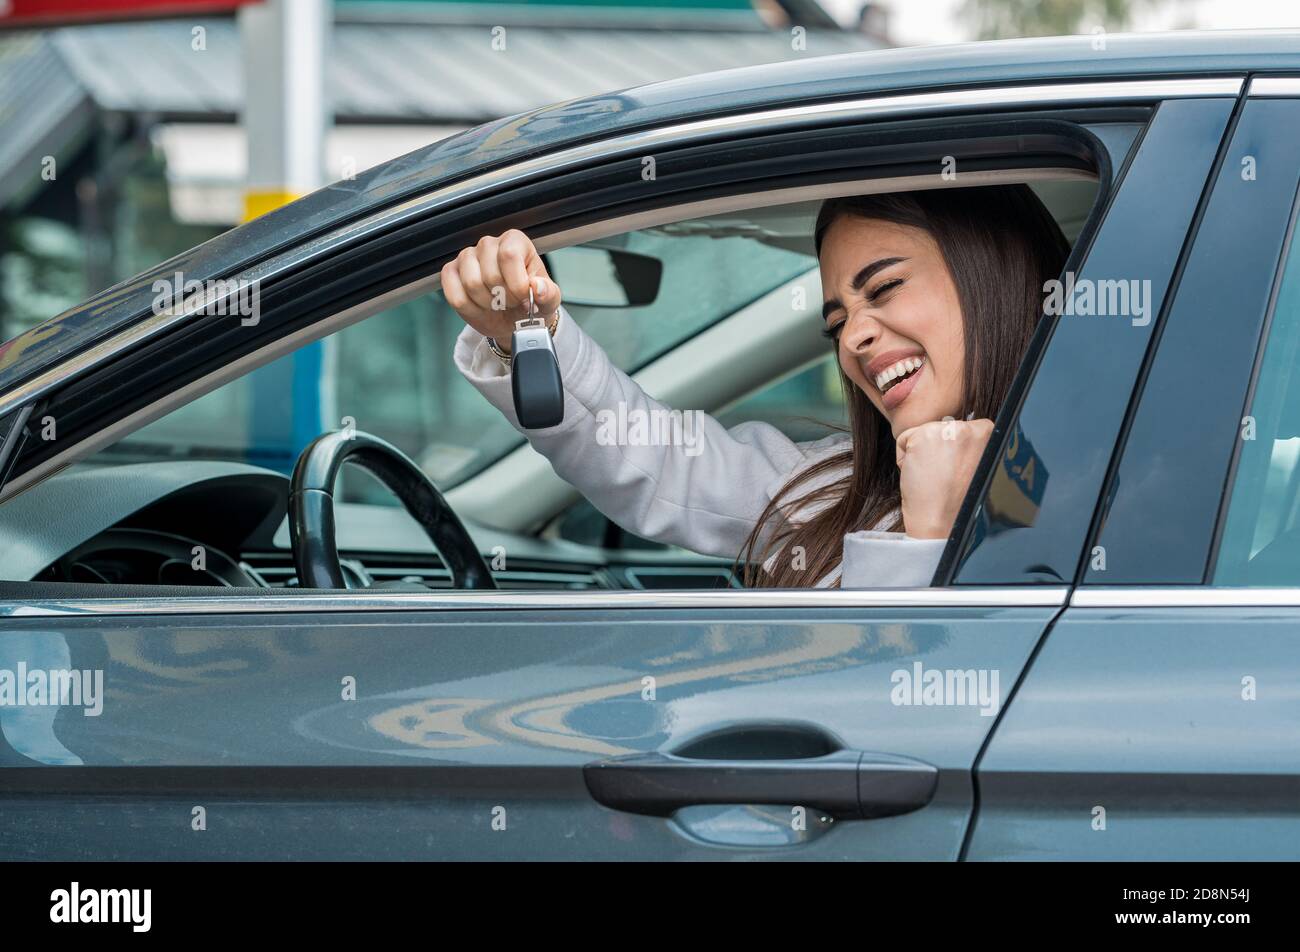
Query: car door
[644, 725]
[1160, 718]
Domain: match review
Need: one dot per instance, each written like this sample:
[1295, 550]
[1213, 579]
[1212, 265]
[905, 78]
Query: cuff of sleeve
[579, 358]
[877, 559]
[475, 359]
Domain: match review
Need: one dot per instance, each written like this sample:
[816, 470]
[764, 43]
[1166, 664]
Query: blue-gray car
[217, 642]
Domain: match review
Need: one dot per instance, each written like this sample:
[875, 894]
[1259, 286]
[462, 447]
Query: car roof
[511, 139]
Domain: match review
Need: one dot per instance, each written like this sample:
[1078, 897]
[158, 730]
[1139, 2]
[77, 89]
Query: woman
[930, 298]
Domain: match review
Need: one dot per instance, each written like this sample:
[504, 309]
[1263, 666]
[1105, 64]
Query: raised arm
[697, 484]
[673, 476]
[702, 488]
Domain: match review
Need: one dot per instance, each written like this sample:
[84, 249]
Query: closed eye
[884, 289]
[832, 331]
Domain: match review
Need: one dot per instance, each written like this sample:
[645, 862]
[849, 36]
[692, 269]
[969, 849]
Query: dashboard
[220, 524]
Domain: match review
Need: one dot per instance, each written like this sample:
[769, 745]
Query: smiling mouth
[896, 373]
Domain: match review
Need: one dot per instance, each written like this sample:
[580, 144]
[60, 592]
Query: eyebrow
[860, 279]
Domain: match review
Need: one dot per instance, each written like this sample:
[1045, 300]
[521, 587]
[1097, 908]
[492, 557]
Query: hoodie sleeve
[876, 559]
[703, 488]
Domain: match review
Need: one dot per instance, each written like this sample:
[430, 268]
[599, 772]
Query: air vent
[384, 571]
[680, 577]
[277, 570]
[274, 568]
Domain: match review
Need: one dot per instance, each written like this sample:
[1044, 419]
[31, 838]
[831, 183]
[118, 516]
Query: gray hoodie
[705, 497]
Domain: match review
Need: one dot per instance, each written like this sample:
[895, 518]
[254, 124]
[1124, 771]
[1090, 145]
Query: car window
[1260, 545]
[393, 374]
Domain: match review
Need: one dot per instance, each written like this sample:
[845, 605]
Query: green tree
[1002, 19]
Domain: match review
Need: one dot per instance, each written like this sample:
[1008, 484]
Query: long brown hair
[1000, 245]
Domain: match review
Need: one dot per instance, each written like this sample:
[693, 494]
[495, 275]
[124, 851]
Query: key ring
[529, 320]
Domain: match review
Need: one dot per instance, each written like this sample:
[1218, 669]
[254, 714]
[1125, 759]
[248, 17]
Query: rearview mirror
[605, 277]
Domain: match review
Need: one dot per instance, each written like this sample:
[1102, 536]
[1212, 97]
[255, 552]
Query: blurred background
[131, 130]
[126, 134]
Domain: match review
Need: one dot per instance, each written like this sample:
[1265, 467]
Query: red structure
[35, 13]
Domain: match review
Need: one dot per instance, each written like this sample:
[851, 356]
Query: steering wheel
[311, 509]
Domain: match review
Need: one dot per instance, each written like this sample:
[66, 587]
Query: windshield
[393, 374]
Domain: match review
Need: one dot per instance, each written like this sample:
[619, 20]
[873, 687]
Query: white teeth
[902, 367]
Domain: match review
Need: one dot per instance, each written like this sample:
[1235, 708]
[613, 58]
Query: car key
[535, 373]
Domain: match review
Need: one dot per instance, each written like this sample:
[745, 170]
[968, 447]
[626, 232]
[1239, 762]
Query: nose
[861, 331]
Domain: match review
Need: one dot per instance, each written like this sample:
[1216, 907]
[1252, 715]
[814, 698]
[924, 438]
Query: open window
[658, 286]
[646, 295]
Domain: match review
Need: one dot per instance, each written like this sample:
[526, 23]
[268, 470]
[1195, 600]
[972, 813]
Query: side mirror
[605, 277]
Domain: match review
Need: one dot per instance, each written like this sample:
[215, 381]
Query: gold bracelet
[504, 355]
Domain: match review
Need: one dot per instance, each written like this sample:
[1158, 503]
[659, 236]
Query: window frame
[1072, 423]
[401, 254]
[1249, 229]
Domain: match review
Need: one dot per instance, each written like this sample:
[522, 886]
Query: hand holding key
[487, 284]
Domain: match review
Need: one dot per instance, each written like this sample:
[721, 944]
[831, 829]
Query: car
[211, 651]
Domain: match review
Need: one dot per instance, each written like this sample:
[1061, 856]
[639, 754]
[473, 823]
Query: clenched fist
[936, 462]
[488, 283]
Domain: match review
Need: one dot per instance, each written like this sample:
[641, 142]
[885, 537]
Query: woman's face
[892, 308]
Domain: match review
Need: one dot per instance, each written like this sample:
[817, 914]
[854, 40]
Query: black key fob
[535, 375]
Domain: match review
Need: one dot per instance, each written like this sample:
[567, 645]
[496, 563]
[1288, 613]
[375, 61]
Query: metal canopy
[416, 72]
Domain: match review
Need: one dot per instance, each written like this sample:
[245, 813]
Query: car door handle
[847, 784]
